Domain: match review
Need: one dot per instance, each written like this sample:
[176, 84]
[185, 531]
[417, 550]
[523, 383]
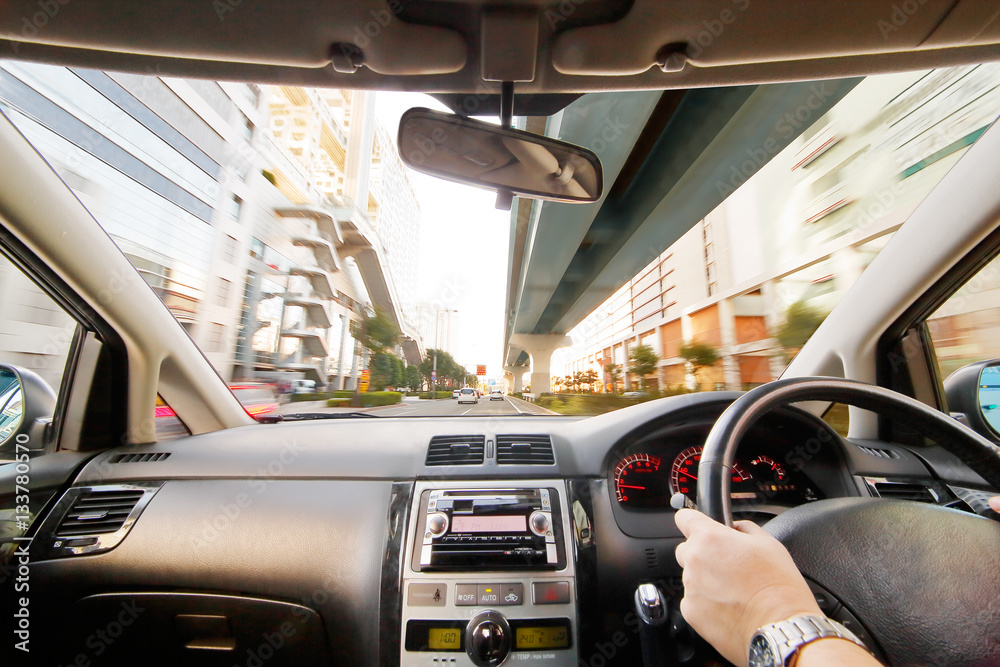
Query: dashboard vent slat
[455, 450]
[906, 491]
[877, 452]
[525, 450]
[97, 513]
[139, 457]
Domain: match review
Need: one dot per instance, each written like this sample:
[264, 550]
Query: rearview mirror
[478, 153]
[973, 394]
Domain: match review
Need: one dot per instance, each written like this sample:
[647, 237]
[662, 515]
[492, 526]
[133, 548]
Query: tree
[376, 332]
[614, 371]
[383, 370]
[399, 376]
[644, 361]
[557, 382]
[449, 371]
[413, 378]
[801, 321]
[589, 377]
[699, 355]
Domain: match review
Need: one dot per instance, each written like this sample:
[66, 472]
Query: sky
[463, 251]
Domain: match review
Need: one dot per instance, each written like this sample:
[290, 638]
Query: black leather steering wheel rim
[922, 580]
[720, 447]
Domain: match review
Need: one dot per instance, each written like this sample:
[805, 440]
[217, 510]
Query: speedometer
[639, 482]
[684, 472]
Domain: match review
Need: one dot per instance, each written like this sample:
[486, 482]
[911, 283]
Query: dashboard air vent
[905, 491]
[139, 457]
[455, 450]
[880, 453]
[524, 450]
[98, 512]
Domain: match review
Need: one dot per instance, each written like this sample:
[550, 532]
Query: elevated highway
[669, 159]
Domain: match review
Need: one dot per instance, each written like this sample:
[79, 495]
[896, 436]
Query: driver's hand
[736, 581]
[995, 504]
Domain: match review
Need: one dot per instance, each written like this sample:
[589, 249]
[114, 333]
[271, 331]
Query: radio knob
[539, 523]
[437, 524]
[488, 639]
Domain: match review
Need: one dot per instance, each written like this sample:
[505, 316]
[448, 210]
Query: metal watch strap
[792, 634]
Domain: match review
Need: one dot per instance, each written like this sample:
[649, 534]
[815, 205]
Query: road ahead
[450, 407]
[442, 407]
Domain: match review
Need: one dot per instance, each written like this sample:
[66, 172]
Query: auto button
[489, 594]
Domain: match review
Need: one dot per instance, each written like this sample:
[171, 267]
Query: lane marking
[466, 412]
[514, 405]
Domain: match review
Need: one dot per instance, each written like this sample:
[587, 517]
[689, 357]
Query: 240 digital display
[528, 638]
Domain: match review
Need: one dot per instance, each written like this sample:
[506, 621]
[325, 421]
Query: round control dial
[539, 522]
[437, 524]
[488, 639]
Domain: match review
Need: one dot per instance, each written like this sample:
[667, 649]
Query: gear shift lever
[651, 607]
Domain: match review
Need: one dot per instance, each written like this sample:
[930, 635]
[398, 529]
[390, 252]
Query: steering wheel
[923, 580]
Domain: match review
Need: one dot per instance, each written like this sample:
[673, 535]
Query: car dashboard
[455, 541]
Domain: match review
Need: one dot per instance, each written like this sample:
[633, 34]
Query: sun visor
[287, 33]
[716, 33]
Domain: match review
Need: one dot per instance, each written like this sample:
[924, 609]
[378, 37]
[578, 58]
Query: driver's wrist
[830, 651]
[780, 613]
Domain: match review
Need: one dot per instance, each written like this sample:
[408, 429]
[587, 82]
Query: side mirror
[27, 404]
[504, 159]
[973, 394]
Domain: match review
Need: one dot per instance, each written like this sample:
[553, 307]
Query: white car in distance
[468, 395]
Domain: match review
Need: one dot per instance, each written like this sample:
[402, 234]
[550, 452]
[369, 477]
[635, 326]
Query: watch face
[761, 654]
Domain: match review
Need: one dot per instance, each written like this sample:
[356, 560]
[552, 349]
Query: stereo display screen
[489, 524]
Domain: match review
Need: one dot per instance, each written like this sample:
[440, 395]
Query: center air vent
[904, 491]
[455, 450]
[524, 450]
[99, 512]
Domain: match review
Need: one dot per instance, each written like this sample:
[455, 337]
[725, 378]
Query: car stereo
[491, 529]
[488, 576]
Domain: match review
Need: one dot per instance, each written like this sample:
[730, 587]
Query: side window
[966, 328]
[35, 337]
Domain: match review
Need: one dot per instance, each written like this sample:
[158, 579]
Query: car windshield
[281, 228]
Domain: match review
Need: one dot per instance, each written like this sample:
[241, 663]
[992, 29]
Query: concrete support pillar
[516, 373]
[345, 330]
[540, 348]
[727, 327]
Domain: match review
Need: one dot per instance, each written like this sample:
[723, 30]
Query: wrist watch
[773, 645]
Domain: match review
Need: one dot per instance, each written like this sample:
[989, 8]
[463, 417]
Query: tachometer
[774, 470]
[640, 483]
[684, 471]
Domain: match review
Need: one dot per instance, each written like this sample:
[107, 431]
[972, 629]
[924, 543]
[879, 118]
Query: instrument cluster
[648, 478]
